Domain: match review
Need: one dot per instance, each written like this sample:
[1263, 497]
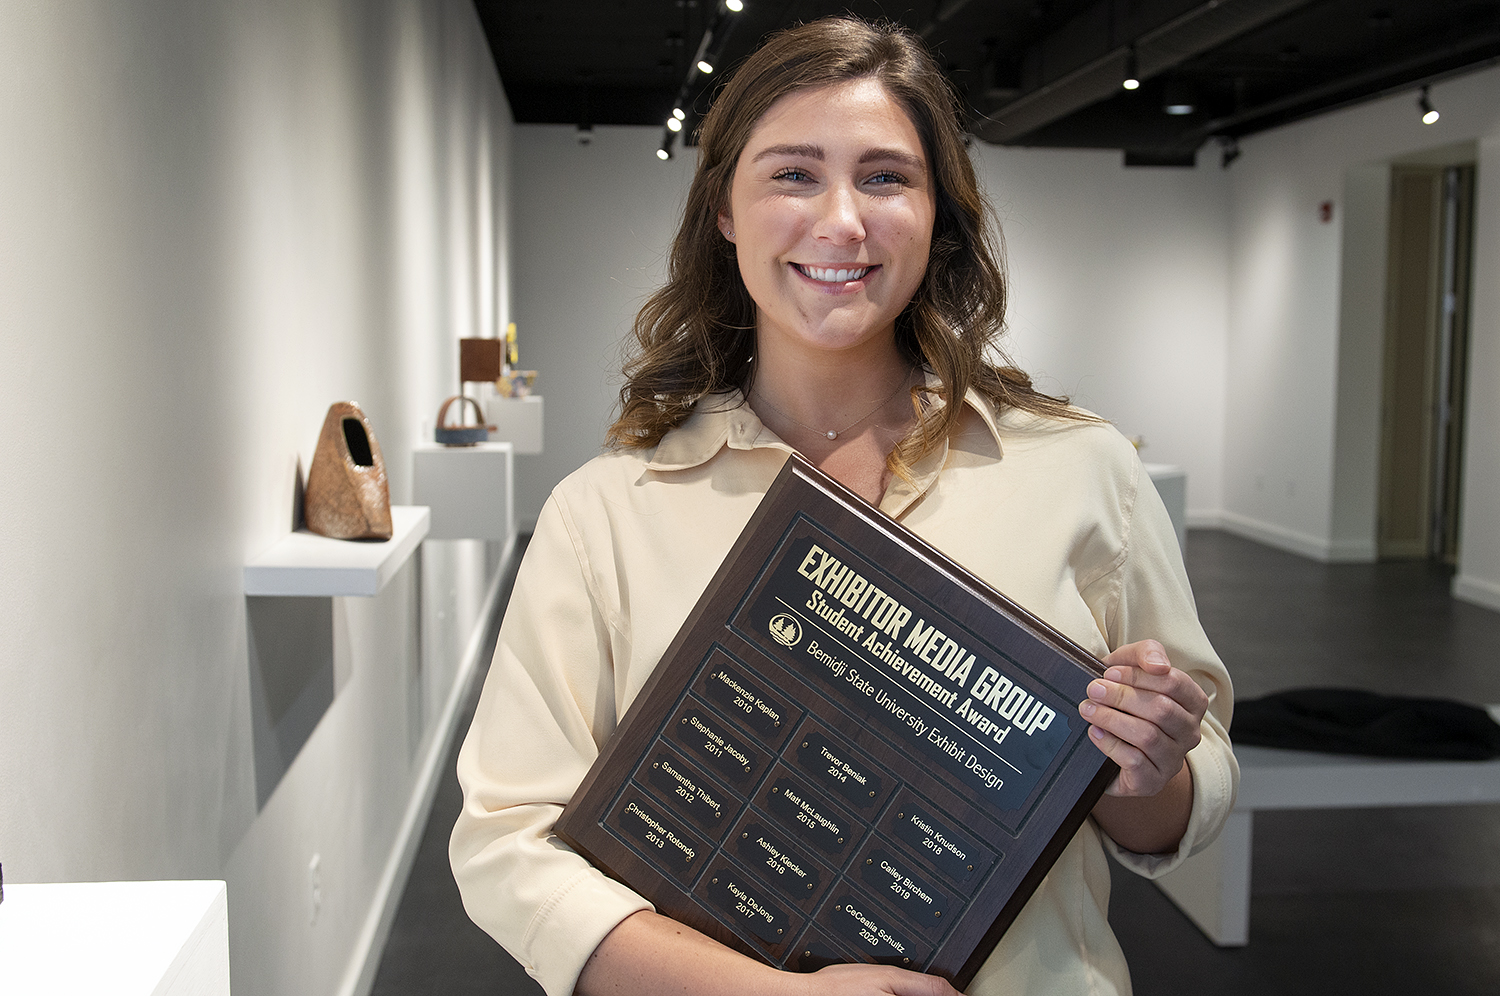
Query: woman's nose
[839, 218]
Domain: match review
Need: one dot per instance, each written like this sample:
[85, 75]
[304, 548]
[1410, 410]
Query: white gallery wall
[1118, 286]
[1301, 445]
[215, 220]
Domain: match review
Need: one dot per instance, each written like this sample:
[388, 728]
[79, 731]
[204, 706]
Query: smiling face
[831, 213]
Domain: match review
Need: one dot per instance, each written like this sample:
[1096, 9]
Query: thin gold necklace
[835, 433]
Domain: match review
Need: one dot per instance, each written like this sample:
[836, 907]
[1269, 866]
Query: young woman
[833, 290]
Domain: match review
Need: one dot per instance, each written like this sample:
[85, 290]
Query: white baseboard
[1302, 544]
[1312, 547]
[364, 960]
[1477, 591]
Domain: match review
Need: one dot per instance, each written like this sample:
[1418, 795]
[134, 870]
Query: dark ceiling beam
[1473, 52]
[1083, 62]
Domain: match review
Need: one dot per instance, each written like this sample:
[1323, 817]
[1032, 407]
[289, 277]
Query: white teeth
[834, 276]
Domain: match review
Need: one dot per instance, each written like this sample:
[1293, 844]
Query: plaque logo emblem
[785, 630]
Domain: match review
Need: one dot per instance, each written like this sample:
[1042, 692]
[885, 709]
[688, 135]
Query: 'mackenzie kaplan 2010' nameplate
[853, 750]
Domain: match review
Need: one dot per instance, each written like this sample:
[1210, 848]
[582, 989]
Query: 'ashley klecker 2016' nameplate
[853, 750]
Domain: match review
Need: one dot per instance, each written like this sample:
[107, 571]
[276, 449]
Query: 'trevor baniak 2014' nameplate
[853, 750]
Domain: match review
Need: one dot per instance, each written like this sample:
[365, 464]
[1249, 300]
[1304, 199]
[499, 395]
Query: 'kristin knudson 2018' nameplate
[854, 750]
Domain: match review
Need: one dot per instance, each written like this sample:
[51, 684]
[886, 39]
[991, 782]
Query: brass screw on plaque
[744, 836]
[937, 912]
[869, 861]
[778, 930]
[809, 886]
[971, 868]
[900, 816]
[776, 722]
[872, 794]
[684, 721]
[656, 765]
[716, 881]
[841, 840]
[804, 743]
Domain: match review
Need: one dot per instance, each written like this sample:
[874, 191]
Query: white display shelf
[304, 563]
[470, 489]
[121, 938]
[517, 421]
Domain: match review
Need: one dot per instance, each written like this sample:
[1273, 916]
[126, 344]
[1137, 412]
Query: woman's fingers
[874, 980]
[1145, 715]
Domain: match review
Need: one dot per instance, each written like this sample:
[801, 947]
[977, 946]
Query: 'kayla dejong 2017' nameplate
[854, 750]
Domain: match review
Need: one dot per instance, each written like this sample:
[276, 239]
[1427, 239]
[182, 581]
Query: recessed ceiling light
[705, 67]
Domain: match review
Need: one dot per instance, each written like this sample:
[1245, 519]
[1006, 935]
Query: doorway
[1425, 370]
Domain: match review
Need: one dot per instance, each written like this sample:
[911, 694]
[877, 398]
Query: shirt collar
[724, 419]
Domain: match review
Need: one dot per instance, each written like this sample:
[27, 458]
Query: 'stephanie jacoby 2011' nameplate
[852, 751]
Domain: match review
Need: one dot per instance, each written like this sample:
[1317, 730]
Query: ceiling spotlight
[1177, 97]
[1429, 113]
[673, 124]
[734, 6]
[1132, 79]
[705, 67]
[677, 113]
[663, 155]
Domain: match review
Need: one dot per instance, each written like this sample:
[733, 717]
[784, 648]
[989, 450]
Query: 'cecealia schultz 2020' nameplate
[854, 749]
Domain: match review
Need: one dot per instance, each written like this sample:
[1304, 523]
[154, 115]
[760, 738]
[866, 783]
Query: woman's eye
[792, 174]
[888, 177]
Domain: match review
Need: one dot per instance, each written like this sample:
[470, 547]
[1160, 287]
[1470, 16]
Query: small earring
[731, 235]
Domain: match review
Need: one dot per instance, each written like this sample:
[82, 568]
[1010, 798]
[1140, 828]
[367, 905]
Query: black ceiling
[1032, 72]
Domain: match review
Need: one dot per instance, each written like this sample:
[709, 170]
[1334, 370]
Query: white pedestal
[517, 421]
[1213, 886]
[1171, 484]
[304, 563]
[119, 938]
[470, 489]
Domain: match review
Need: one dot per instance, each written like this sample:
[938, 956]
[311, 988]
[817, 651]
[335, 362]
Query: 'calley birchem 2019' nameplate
[853, 750]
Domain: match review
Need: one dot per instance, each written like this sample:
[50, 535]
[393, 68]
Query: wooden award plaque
[854, 749]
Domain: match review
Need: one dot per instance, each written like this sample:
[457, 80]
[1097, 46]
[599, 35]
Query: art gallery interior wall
[215, 220]
[1301, 447]
[1211, 312]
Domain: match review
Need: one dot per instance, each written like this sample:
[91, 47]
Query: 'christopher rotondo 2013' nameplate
[854, 750]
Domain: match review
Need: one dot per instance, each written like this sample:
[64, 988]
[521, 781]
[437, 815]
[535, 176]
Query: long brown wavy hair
[696, 335]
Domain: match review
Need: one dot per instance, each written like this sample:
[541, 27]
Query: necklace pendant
[831, 434]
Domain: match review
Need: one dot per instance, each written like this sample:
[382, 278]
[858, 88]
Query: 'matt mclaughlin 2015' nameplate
[854, 750]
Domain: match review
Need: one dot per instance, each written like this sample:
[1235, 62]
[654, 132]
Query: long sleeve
[547, 706]
[1147, 595]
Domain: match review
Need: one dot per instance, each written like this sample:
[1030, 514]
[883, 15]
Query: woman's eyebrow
[894, 155]
[810, 151]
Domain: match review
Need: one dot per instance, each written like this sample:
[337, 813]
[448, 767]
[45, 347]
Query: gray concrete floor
[1354, 901]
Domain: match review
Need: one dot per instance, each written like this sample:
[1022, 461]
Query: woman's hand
[1145, 715]
[869, 980]
[648, 954]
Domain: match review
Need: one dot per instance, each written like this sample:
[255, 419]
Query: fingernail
[1156, 657]
[1097, 690]
[1088, 708]
[1115, 674]
[1096, 733]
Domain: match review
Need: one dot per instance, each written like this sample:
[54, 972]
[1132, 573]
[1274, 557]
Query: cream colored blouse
[1060, 516]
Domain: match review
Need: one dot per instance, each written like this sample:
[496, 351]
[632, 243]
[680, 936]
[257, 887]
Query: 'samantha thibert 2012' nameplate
[854, 750]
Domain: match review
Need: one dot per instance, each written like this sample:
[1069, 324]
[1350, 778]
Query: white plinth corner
[470, 489]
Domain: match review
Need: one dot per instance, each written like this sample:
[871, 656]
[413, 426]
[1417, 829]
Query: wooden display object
[807, 776]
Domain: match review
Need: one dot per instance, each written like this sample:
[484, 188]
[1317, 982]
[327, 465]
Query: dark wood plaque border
[1025, 840]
